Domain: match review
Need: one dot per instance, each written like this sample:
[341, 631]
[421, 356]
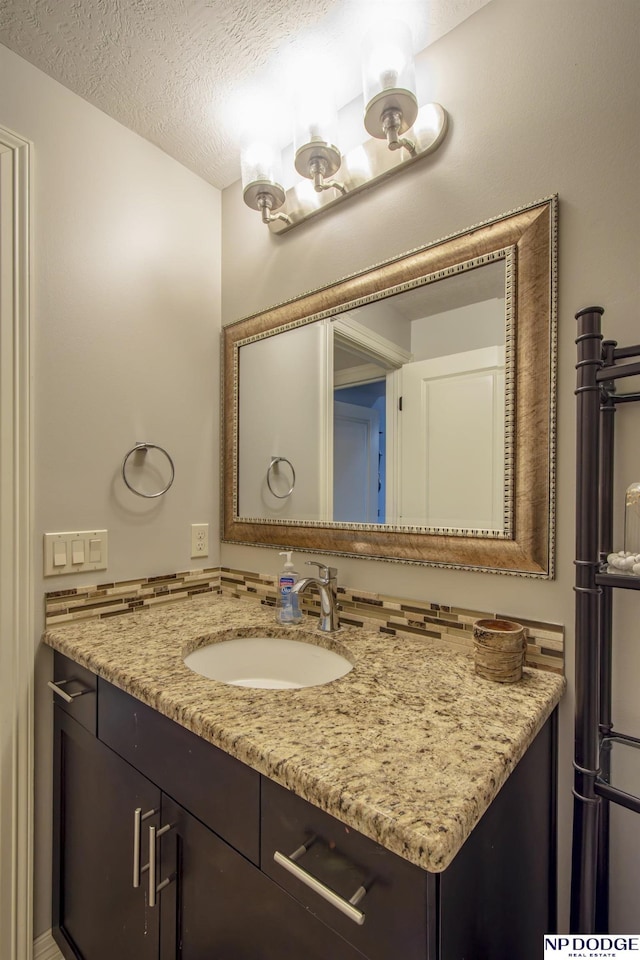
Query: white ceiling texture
[188, 75]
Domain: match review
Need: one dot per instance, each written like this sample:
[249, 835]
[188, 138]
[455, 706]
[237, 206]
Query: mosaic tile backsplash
[384, 614]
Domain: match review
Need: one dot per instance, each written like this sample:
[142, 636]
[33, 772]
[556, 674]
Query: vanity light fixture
[389, 85]
[261, 187]
[316, 153]
[391, 111]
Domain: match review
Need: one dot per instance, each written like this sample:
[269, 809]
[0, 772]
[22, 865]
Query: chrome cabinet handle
[155, 888]
[138, 817]
[67, 697]
[348, 907]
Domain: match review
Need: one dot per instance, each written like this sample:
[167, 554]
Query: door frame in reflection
[384, 358]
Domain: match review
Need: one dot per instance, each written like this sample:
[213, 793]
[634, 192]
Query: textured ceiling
[181, 73]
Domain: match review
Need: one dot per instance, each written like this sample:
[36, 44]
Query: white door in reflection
[356, 449]
[452, 441]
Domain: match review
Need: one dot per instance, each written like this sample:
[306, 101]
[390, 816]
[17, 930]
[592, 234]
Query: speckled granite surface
[409, 748]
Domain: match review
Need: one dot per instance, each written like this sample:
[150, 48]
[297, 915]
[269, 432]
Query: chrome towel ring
[142, 448]
[274, 462]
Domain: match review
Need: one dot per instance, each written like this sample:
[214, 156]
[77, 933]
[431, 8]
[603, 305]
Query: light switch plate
[61, 548]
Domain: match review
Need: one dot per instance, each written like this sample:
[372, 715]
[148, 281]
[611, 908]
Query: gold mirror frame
[529, 550]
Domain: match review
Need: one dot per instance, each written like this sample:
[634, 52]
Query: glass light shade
[359, 166]
[307, 197]
[315, 135]
[316, 119]
[387, 61]
[429, 127]
[260, 163]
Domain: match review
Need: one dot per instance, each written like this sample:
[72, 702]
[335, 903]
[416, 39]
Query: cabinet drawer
[72, 680]
[219, 790]
[399, 905]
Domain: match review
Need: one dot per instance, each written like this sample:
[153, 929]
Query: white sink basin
[268, 662]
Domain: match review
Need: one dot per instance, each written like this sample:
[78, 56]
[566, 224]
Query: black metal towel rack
[600, 364]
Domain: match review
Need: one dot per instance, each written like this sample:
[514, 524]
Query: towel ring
[142, 448]
[274, 461]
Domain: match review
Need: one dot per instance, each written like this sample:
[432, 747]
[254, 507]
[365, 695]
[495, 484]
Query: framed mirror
[407, 412]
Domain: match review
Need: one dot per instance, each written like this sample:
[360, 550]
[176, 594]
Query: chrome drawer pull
[68, 697]
[153, 887]
[348, 907]
[138, 817]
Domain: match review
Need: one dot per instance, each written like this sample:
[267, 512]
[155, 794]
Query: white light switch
[75, 552]
[59, 553]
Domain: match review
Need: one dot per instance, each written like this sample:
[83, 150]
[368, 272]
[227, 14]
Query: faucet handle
[327, 573]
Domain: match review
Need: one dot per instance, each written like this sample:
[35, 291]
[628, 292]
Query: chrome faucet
[327, 585]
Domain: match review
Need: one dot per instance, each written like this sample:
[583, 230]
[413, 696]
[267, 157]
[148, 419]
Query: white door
[452, 441]
[16, 585]
[355, 463]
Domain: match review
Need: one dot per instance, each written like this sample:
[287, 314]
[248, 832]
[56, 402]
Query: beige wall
[126, 318]
[126, 321]
[542, 96]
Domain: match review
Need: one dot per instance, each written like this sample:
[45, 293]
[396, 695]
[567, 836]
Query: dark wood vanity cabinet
[221, 889]
[217, 902]
[99, 913]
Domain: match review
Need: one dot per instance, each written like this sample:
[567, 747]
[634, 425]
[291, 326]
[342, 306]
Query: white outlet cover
[199, 540]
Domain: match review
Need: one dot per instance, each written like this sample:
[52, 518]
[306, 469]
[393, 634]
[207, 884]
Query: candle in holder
[499, 648]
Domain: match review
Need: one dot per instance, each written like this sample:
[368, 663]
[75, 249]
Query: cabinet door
[97, 913]
[220, 905]
[216, 788]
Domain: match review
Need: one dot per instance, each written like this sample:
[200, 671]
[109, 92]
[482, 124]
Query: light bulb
[389, 83]
[387, 60]
[316, 117]
[316, 155]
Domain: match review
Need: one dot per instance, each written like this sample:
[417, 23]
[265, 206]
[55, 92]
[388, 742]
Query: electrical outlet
[199, 540]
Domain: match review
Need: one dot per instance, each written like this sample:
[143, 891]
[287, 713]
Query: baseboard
[45, 948]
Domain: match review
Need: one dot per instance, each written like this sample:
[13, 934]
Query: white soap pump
[288, 609]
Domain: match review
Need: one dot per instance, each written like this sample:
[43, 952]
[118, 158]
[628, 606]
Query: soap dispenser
[288, 609]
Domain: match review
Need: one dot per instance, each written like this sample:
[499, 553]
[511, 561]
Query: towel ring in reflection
[274, 461]
[142, 448]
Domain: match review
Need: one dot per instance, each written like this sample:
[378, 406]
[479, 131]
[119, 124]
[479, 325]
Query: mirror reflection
[389, 413]
[280, 428]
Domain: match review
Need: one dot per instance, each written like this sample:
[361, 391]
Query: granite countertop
[409, 748]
